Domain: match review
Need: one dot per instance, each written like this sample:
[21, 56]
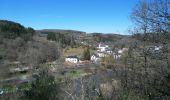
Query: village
[103, 50]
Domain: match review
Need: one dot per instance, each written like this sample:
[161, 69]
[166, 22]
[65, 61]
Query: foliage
[63, 39]
[152, 17]
[99, 37]
[73, 51]
[44, 88]
[12, 30]
[51, 36]
[40, 52]
[86, 54]
[108, 61]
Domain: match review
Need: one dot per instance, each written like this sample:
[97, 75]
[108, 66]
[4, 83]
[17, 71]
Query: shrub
[44, 88]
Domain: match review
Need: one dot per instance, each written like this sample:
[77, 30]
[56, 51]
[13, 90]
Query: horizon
[105, 16]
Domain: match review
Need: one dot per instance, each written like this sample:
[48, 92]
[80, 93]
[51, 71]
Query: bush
[44, 88]
[51, 36]
[86, 54]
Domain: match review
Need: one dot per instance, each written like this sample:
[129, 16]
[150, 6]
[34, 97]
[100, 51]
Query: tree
[51, 36]
[152, 17]
[86, 54]
[12, 30]
[44, 88]
[160, 15]
[30, 30]
[140, 16]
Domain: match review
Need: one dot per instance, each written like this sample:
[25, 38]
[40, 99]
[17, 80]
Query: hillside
[23, 46]
[60, 31]
[12, 30]
[83, 38]
[44, 32]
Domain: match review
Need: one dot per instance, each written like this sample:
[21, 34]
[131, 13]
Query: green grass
[74, 74]
[15, 88]
[74, 51]
[69, 75]
[24, 87]
[9, 88]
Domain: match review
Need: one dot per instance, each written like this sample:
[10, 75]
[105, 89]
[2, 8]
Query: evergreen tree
[86, 54]
[51, 36]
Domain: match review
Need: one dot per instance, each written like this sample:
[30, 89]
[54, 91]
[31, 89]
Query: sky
[105, 16]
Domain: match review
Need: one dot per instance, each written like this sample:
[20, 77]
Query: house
[109, 50]
[104, 48]
[154, 49]
[72, 59]
[120, 51]
[102, 54]
[157, 48]
[95, 58]
[116, 55]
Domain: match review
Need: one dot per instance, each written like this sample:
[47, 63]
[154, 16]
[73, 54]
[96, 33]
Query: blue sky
[107, 16]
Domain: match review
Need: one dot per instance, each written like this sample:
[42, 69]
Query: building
[116, 55]
[109, 50]
[120, 51]
[94, 58]
[72, 59]
[102, 54]
[104, 48]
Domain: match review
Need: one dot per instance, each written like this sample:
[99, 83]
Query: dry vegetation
[142, 73]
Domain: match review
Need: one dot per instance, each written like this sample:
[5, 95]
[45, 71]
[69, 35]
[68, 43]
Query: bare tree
[152, 17]
[140, 16]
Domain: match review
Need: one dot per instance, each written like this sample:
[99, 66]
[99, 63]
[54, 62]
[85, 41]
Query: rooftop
[72, 57]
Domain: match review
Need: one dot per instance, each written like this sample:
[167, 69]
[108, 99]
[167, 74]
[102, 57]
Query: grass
[9, 89]
[77, 73]
[74, 74]
[74, 51]
[24, 87]
[15, 88]
[69, 75]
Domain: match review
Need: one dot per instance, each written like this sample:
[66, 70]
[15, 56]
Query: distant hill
[67, 33]
[9, 26]
[11, 30]
[101, 37]
[60, 31]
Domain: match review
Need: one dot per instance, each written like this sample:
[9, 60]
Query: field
[74, 51]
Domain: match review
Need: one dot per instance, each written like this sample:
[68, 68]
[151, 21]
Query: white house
[104, 48]
[95, 58]
[116, 55]
[102, 54]
[72, 59]
[157, 48]
[109, 50]
[120, 51]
